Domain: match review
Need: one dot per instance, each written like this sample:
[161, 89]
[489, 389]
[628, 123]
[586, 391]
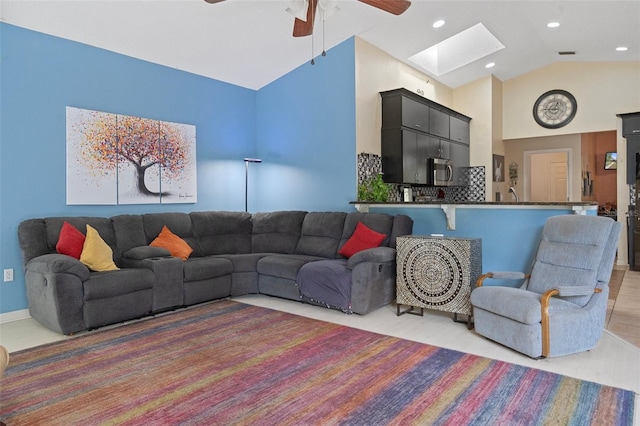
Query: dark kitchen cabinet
[460, 152]
[398, 111]
[630, 124]
[631, 131]
[438, 123]
[633, 159]
[414, 129]
[459, 130]
[439, 148]
[404, 156]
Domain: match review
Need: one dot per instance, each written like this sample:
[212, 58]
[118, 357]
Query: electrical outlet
[8, 275]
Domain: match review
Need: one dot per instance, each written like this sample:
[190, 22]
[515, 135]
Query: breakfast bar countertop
[477, 203]
[449, 208]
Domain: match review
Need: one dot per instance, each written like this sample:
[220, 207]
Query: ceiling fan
[303, 28]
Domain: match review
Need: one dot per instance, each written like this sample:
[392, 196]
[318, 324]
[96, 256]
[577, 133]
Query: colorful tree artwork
[120, 159]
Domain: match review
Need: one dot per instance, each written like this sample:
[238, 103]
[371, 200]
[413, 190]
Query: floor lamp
[246, 178]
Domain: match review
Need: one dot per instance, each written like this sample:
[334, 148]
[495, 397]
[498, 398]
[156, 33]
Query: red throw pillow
[363, 238]
[70, 241]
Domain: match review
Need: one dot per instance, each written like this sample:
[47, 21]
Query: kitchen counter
[509, 231]
[450, 208]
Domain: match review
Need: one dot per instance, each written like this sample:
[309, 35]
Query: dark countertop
[480, 203]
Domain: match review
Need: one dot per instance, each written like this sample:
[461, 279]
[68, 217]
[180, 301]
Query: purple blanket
[327, 282]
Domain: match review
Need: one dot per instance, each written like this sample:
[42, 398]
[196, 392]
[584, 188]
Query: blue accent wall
[306, 136]
[41, 75]
[510, 236]
[302, 126]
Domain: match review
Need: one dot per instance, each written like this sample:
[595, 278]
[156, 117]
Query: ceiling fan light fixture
[328, 8]
[298, 8]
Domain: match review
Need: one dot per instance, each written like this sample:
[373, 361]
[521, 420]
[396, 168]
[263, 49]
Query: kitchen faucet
[513, 191]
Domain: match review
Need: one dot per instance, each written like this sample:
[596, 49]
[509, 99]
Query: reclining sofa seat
[64, 295]
[234, 253]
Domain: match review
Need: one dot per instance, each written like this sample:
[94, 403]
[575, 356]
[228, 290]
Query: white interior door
[548, 176]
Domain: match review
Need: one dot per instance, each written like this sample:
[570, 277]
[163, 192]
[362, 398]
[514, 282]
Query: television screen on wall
[611, 161]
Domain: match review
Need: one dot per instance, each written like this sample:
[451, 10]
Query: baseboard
[14, 316]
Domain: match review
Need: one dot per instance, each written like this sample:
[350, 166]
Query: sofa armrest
[375, 255]
[145, 252]
[58, 263]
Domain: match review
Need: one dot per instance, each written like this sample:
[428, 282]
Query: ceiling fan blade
[304, 28]
[213, 1]
[397, 7]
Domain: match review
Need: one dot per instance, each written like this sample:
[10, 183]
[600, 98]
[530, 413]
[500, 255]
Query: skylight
[457, 51]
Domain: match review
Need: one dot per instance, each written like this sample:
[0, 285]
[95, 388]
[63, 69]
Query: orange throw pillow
[170, 241]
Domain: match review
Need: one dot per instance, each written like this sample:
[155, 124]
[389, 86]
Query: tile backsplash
[369, 165]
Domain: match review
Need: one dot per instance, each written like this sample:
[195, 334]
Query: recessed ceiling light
[622, 48]
[553, 24]
[490, 65]
[438, 23]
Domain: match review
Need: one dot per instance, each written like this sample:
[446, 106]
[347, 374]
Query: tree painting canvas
[119, 159]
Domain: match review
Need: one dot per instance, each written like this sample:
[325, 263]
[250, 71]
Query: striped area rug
[228, 363]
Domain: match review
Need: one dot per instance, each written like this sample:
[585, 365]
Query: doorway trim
[526, 161]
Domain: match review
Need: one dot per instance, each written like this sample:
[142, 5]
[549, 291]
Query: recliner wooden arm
[544, 307]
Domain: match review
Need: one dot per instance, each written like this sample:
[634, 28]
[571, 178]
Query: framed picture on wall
[498, 168]
[611, 161]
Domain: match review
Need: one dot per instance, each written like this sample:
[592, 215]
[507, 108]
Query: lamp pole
[246, 179]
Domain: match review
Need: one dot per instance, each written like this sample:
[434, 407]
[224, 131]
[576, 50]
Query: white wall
[476, 100]
[377, 71]
[602, 90]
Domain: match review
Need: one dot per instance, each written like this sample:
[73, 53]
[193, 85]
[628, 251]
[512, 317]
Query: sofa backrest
[321, 233]
[219, 232]
[574, 250]
[379, 222]
[40, 236]
[129, 230]
[276, 232]
[178, 223]
[402, 225]
[222, 232]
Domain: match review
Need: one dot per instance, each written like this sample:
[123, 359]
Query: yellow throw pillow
[96, 254]
[170, 241]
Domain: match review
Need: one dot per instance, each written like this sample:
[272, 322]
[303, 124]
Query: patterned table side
[437, 273]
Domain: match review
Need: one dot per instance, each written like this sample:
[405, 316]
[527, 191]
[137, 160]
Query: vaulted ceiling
[249, 42]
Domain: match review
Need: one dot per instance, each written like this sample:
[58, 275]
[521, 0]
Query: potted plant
[374, 189]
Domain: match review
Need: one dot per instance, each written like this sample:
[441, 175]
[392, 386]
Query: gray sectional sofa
[234, 253]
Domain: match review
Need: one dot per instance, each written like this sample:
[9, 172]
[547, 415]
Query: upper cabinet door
[631, 125]
[459, 130]
[401, 111]
[415, 115]
[438, 123]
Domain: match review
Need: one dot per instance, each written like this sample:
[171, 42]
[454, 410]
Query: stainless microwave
[439, 172]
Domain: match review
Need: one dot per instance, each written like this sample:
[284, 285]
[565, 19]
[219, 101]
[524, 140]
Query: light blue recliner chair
[561, 307]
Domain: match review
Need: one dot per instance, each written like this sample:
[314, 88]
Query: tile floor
[624, 313]
[614, 362]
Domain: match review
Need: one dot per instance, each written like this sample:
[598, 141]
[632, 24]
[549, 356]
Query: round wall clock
[555, 109]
